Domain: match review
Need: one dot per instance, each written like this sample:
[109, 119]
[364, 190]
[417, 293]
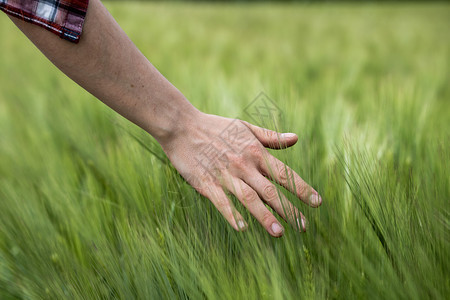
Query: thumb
[272, 139]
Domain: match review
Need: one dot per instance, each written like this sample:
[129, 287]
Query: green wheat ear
[90, 209]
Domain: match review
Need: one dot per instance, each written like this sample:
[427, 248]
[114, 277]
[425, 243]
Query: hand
[204, 148]
[217, 155]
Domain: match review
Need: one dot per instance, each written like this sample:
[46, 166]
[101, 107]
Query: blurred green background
[88, 212]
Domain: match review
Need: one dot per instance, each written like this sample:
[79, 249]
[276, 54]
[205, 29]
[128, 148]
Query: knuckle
[255, 150]
[283, 174]
[239, 162]
[271, 134]
[249, 194]
[222, 203]
[235, 160]
[270, 193]
[267, 218]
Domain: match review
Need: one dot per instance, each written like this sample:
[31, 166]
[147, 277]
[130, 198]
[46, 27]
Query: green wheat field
[91, 209]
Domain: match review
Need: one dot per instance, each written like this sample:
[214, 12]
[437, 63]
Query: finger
[253, 203]
[275, 199]
[272, 139]
[225, 207]
[285, 176]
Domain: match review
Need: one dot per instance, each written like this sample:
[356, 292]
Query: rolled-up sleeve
[62, 17]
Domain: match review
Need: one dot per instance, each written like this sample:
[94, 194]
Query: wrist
[177, 122]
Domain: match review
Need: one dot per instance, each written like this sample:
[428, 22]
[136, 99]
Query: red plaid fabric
[62, 17]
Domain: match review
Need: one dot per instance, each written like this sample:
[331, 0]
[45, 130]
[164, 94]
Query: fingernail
[288, 135]
[241, 224]
[276, 228]
[315, 199]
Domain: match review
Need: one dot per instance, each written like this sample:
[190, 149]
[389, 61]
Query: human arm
[108, 65]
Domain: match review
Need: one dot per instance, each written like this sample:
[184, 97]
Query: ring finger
[250, 199]
[278, 201]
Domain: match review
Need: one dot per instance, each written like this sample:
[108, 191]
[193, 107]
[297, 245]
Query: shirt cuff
[62, 17]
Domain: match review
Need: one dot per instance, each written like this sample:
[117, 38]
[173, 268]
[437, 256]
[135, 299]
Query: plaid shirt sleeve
[62, 17]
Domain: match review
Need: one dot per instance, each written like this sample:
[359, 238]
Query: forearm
[108, 65]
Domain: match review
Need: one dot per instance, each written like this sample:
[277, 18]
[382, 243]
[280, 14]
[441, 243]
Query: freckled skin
[109, 66]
